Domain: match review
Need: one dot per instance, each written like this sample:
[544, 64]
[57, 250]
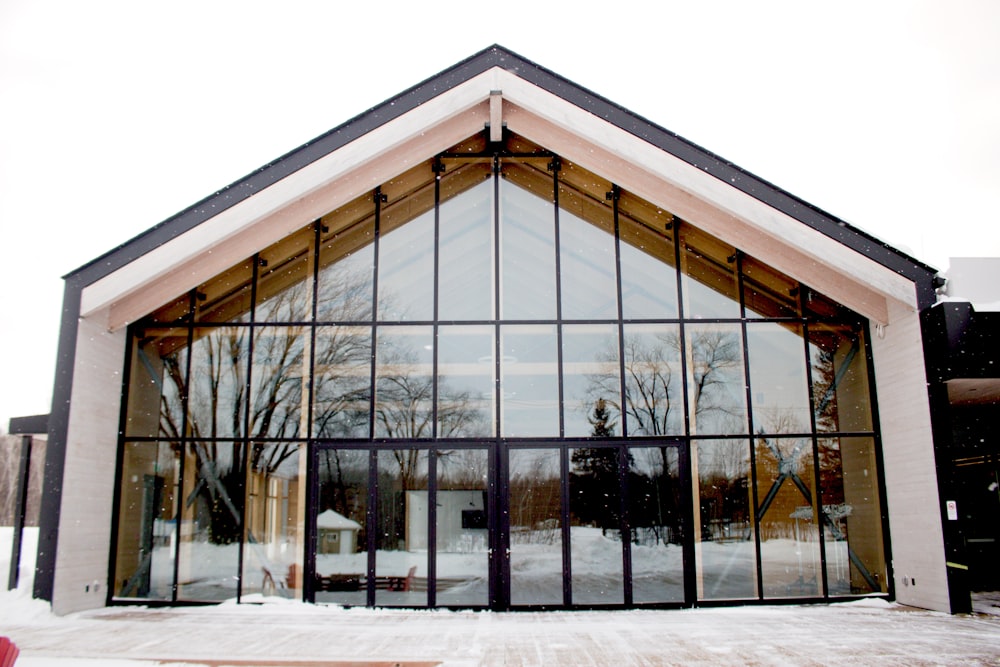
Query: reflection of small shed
[336, 533]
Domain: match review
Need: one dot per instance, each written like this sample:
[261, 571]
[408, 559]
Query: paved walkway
[299, 635]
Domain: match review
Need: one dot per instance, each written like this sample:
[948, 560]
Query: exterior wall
[81, 576]
[918, 555]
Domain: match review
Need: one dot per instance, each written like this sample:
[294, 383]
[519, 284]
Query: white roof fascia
[294, 201]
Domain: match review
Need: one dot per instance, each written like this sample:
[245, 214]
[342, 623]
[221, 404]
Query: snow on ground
[858, 633]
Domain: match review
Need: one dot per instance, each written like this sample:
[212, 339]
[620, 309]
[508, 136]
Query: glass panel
[588, 275]
[595, 526]
[779, 393]
[840, 378]
[536, 556]
[406, 271]
[463, 543]
[218, 382]
[591, 380]
[280, 362]
[342, 385]
[788, 517]
[465, 266]
[653, 375]
[147, 521]
[347, 265]
[767, 292]
[211, 521]
[285, 279]
[156, 384]
[341, 526]
[852, 517]
[716, 380]
[404, 382]
[402, 523]
[655, 518]
[528, 254]
[649, 274]
[227, 297]
[275, 521]
[708, 276]
[529, 384]
[466, 382]
[725, 557]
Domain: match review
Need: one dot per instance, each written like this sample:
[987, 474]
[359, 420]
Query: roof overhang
[228, 229]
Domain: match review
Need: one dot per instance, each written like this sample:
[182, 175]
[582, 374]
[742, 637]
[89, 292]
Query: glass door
[595, 524]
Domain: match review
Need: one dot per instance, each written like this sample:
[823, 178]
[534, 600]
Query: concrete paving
[300, 635]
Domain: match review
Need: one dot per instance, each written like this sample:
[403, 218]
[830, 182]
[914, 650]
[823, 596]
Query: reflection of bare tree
[404, 406]
[652, 393]
[535, 497]
[462, 468]
[716, 366]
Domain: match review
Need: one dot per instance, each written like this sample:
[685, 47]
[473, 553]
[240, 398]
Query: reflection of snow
[725, 570]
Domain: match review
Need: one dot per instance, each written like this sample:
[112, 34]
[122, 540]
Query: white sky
[115, 115]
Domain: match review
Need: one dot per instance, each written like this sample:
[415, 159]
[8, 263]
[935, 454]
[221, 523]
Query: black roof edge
[496, 55]
[33, 425]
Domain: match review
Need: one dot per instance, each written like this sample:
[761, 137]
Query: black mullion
[622, 387]
[436, 290]
[498, 525]
[311, 451]
[497, 521]
[371, 524]
[317, 238]
[750, 425]
[432, 489]
[817, 488]
[497, 346]
[185, 403]
[624, 518]
[248, 393]
[554, 165]
[379, 198]
[564, 521]
[686, 458]
[624, 525]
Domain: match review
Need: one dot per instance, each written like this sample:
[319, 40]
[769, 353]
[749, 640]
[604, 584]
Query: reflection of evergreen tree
[601, 420]
[594, 480]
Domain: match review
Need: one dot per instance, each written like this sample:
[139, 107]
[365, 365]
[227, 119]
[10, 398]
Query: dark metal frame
[498, 446]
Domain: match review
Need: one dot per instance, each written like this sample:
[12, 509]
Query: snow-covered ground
[280, 632]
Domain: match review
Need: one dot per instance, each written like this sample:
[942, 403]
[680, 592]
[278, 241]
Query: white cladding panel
[81, 575]
[918, 555]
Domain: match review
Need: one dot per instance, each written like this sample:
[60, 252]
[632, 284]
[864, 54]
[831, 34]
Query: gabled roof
[496, 84]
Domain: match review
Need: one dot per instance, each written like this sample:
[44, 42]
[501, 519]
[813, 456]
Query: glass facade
[499, 381]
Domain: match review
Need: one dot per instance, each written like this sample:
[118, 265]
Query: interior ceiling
[974, 391]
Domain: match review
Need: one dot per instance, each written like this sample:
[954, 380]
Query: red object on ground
[8, 652]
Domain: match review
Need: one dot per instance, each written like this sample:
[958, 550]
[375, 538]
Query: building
[543, 352]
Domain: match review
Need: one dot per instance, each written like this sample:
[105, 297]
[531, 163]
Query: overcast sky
[116, 115]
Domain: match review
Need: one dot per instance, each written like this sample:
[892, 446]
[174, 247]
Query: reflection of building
[499, 286]
[336, 534]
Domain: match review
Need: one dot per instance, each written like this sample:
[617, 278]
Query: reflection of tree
[652, 362]
[535, 498]
[654, 496]
[716, 366]
[723, 482]
[594, 480]
[404, 406]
